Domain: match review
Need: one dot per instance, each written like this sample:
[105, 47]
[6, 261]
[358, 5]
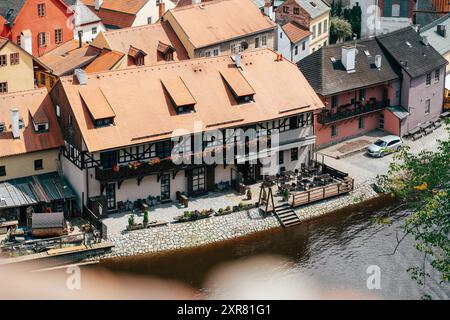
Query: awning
[32, 190]
[399, 112]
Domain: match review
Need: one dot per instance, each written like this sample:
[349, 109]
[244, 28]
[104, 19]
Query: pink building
[394, 82]
[357, 84]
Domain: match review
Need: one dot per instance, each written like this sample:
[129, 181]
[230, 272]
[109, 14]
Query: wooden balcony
[351, 111]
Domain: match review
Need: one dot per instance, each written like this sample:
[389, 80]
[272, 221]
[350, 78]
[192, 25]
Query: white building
[86, 23]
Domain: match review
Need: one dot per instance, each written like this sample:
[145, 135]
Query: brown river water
[334, 251]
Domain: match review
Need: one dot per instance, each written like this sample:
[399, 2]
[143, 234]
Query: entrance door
[110, 192]
[248, 172]
[165, 187]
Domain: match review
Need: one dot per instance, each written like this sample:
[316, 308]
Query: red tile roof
[34, 104]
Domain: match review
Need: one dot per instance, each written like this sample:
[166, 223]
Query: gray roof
[315, 8]
[420, 58]
[441, 44]
[328, 77]
[47, 220]
[33, 190]
[10, 8]
[83, 15]
[399, 112]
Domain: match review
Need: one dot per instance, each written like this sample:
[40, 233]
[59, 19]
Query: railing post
[309, 196]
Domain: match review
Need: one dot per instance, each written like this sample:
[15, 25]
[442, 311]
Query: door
[198, 180]
[165, 187]
[110, 193]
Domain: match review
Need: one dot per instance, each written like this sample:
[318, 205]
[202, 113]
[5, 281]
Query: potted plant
[241, 205]
[145, 221]
[285, 194]
[249, 194]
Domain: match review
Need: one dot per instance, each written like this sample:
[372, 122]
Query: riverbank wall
[220, 228]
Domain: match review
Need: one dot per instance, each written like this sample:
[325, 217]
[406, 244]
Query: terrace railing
[351, 111]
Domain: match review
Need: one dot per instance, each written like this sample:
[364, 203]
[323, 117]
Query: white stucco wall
[88, 34]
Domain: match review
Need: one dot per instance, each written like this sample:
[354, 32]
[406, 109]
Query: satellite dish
[244, 45]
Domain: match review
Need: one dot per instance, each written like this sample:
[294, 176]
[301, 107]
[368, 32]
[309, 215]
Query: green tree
[336, 8]
[340, 30]
[422, 182]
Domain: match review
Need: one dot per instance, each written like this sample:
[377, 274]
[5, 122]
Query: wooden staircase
[286, 215]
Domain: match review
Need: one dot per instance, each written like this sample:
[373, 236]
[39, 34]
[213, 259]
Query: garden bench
[184, 200]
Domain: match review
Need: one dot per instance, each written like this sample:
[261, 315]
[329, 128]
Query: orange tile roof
[146, 38]
[178, 91]
[217, 21]
[127, 6]
[31, 104]
[64, 59]
[295, 32]
[117, 13]
[143, 111]
[237, 82]
[106, 61]
[95, 101]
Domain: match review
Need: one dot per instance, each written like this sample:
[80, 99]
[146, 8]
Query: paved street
[362, 167]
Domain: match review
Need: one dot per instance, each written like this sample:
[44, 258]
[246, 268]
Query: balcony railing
[351, 111]
[134, 169]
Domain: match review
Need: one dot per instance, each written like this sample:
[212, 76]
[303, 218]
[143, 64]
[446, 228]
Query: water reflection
[333, 252]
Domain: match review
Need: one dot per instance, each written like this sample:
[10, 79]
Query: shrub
[131, 220]
[145, 216]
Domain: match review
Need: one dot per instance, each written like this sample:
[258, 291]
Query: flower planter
[194, 215]
[134, 227]
[223, 213]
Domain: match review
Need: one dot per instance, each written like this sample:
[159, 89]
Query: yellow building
[311, 14]
[320, 35]
[30, 137]
[17, 68]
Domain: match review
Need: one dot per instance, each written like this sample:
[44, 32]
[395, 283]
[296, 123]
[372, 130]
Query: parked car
[384, 145]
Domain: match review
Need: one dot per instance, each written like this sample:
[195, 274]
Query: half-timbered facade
[173, 129]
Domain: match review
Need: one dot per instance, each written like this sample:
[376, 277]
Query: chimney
[98, 4]
[349, 58]
[237, 60]
[26, 41]
[162, 9]
[15, 123]
[378, 61]
[441, 30]
[80, 38]
[425, 40]
[81, 76]
[268, 10]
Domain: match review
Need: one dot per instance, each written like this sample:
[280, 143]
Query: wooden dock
[59, 256]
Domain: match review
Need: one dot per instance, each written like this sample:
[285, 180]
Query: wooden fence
[320, 193]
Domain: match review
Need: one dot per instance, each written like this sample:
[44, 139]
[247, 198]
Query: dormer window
[239, 86]
[98, 106]
[166, 51]
[137, 56]
[179, 94]
[40, 121]
[103, 122]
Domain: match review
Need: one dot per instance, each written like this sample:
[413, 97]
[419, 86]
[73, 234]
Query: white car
[384, 145]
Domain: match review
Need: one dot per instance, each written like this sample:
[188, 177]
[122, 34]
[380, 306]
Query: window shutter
[387, 8]
[47, 38]
[404, 8]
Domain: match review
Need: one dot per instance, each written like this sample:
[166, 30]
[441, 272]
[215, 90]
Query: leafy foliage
[340, 29]
[422, 182]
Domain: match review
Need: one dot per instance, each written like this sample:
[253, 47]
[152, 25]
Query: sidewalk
[351, 146]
